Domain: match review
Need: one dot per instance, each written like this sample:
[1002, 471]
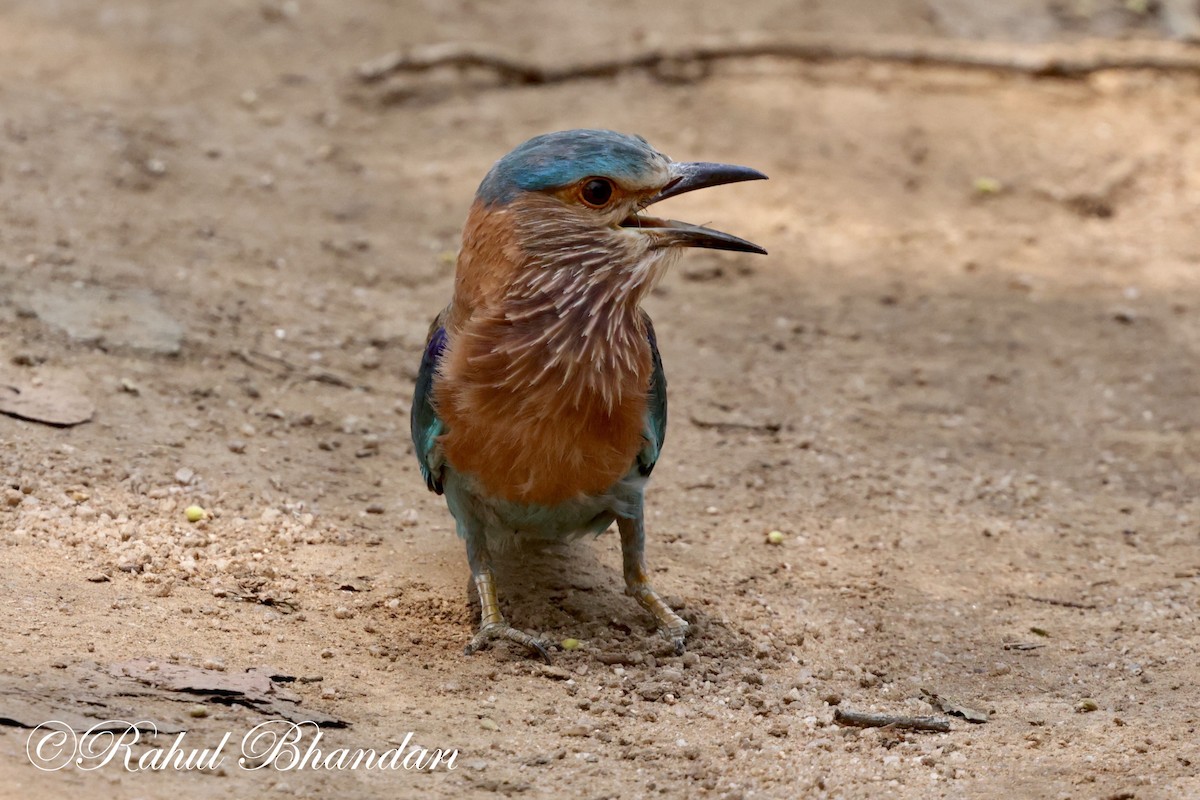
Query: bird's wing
[655, 432]
[426, 425]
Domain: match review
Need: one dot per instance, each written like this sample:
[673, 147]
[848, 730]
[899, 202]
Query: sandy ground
[973, 414]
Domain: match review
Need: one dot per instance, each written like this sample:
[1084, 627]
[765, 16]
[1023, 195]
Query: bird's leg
[492, 625]
[637, 581]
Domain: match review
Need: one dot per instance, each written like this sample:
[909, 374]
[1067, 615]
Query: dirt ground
[963, 385]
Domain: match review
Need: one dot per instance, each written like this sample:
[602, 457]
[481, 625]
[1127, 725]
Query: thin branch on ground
[1059, 60]
[727, 426]
[254, 358]
[1053, 601]
[863, 719]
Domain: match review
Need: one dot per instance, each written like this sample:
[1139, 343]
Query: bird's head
[573, 200]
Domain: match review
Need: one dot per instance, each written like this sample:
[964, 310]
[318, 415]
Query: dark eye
[596, 192]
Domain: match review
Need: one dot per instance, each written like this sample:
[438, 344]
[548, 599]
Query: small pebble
[650, 690]
[670, 674]
[370, 358]
[488, 724]
[554, 673]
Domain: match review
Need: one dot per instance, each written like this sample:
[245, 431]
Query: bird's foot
[670, 625]
[493, 631]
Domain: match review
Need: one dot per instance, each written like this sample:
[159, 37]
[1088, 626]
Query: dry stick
[766, 427]
[1053, 601]
[862, 719]
[1075, 60]
[1064, 603]
[248, 357]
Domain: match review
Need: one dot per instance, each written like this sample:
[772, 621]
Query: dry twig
[725, 426]
[863, 719]
[1073, 60]
[254, 358]
[1053, 601]
[948, 705]
[1064, 603]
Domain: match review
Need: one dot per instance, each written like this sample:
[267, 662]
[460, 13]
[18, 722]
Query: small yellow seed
[985, 185]
[571, 644]
[775, 537]
[195, 513]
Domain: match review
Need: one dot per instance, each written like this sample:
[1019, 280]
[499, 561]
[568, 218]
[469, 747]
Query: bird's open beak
[687, 178]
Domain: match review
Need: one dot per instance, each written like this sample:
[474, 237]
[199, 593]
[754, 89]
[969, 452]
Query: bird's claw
[676, 635]
[672, 626]
[494, 631]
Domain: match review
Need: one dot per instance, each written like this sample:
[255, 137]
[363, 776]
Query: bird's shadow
[564, 590]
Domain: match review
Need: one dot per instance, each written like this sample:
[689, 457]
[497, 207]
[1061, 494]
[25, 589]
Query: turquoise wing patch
[656, 409]
[426, 426]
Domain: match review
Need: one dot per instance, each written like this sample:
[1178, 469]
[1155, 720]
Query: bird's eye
[596, 192]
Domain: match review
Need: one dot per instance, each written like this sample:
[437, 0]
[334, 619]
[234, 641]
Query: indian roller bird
[540, 406]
